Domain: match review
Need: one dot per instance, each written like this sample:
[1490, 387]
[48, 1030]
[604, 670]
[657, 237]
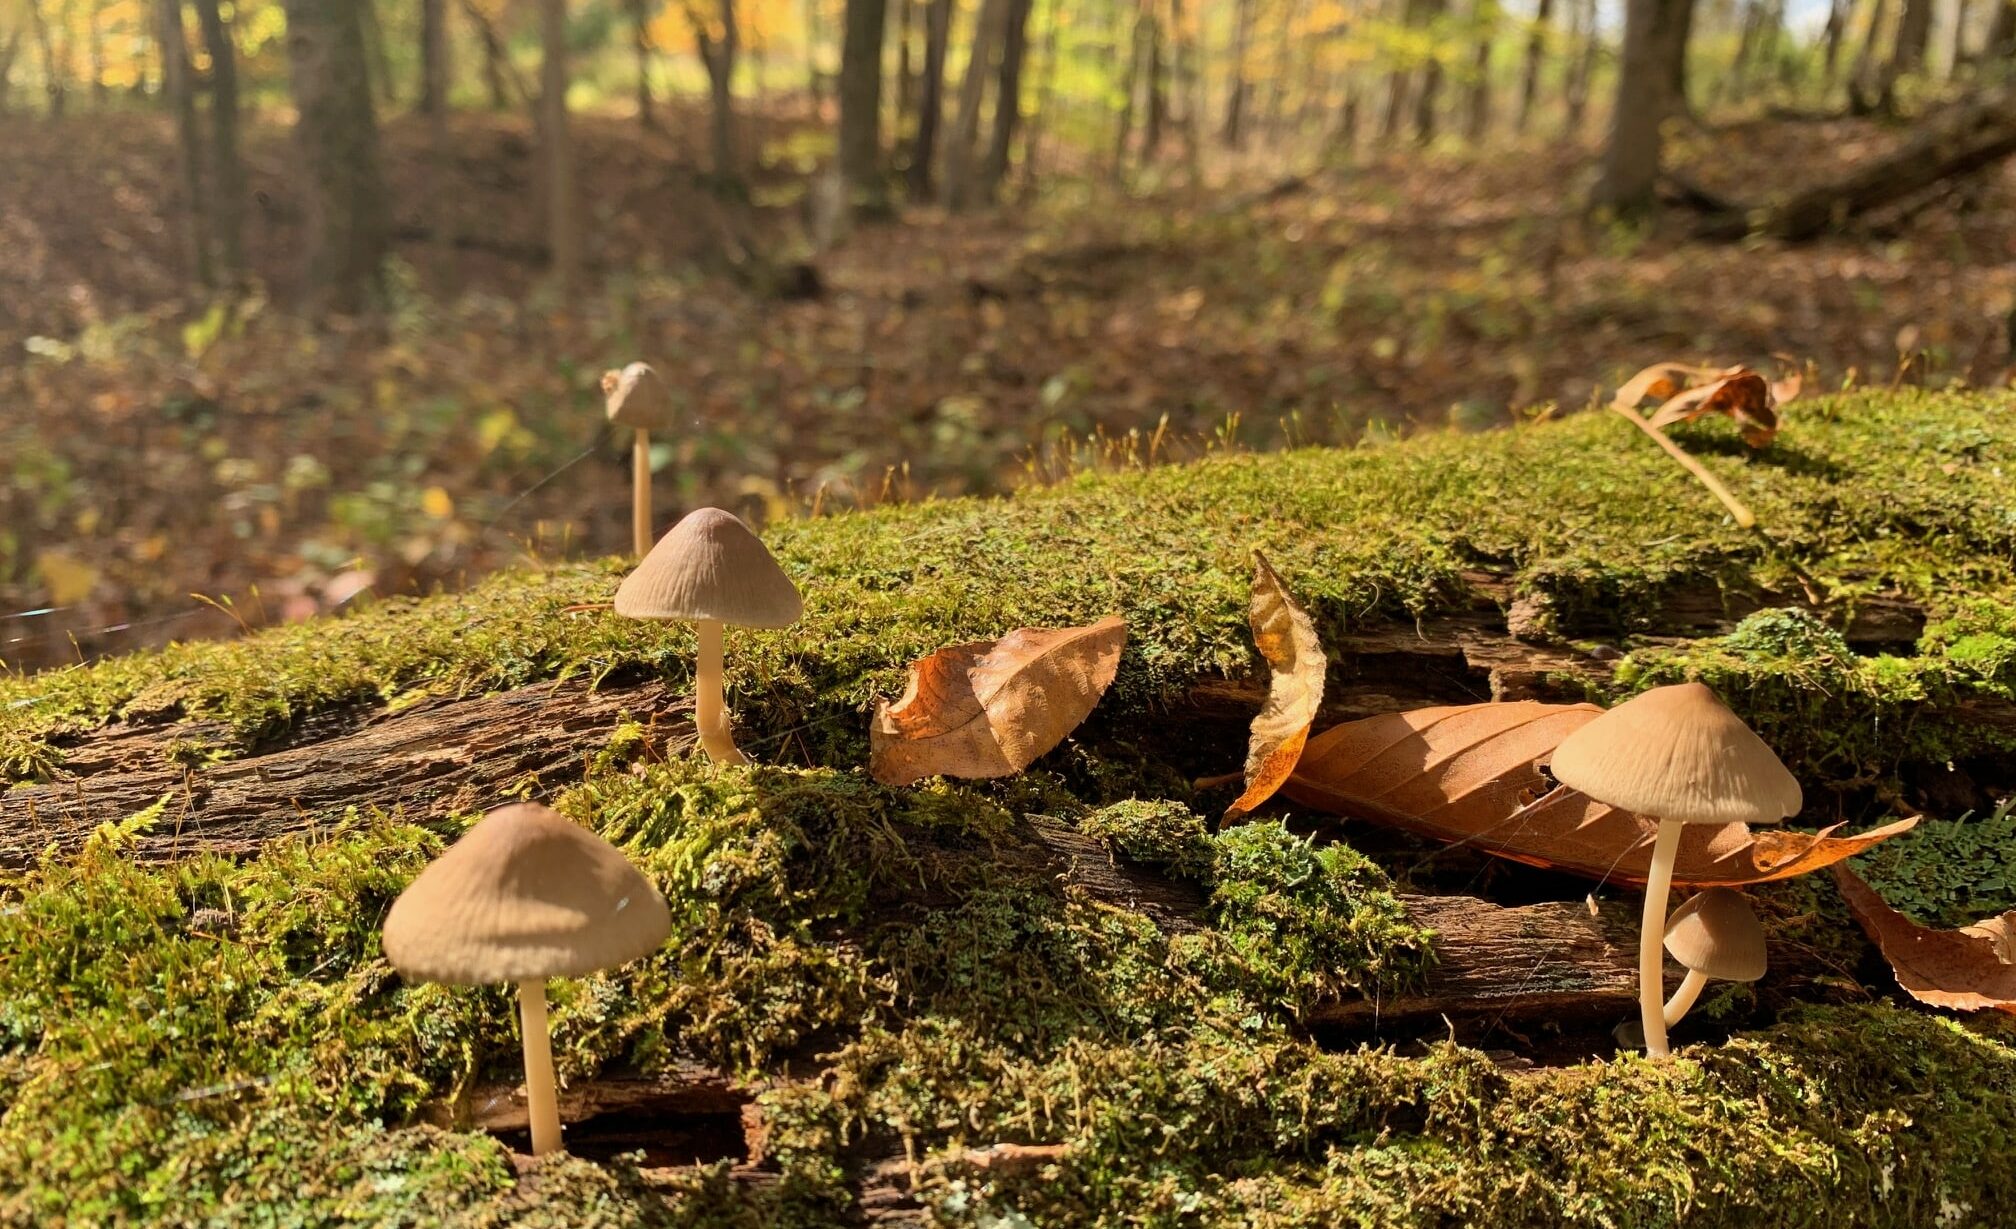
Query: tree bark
[1007, 100]
[563, 222]
[1536, 58]
[1428, 100]
[930, 97]
[1130, 89]
[55, 86]
[1914, 36]
[337, 137]
[1152, 131]
[906, 69]
[963, 151]
[2002, 35]
[433, 57]
[9, 54]
[377, 55]
[1032, 131]
[1655, 42]
[179, 91]
[497, 72]
[640, 55]
[861, 102]
[718, 51]
[1575, 101]
[1838, 12]
[1484, 18]
[227, 169]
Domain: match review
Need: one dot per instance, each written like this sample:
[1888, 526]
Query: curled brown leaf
[1286, 638]
[1966, 969]
[989, 708]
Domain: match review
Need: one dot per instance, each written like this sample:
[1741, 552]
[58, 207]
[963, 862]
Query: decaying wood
[684, 1090]
[433, 759]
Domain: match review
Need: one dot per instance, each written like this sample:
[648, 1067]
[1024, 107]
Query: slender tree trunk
[1190, 91]
[1400, 80]
[1838, 12]
[963, 151]
[1963, 17]
[1007, 99]
[640, 54]
[338, 140]
[496, 64]
[1130, 88]
[1914, 35]
[178, 89]
[861, 101]
[1277, 85]
[1427, 102]
[1536, 57]
[2002, 35]
[930, 97]
[9, 55]
[1233, 134]
[95, 49]
[1484, 19]
[718, 51]
[379, 57]
[1867, 90]
[226, 169]
[54, 86]
[1655, 34]
[1158, 92]
[1046, 93]
[1583, 74]
[1734, 86]
[906, 69]
[433, 57]
[563, 220]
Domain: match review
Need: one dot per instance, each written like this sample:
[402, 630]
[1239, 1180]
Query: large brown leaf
[1741, 394]
[1472, 774]
[1286, 637]
[1966, 969]
[989, 708]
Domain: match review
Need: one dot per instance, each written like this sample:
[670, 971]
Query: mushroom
[1676, 754]
[710, 570]
[524, 896]
[1714, 935]
[636, 398]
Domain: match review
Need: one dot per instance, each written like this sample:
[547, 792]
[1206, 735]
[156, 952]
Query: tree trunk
[861, 102]
[433, 57]
[1277, 85]
[9, 53]
[963, 151]
[496, 64]
[718, 52]
[1734, 86]
[930, 97]
[1963, 17]
[1130, 88]
[640, 54]
[1866, 91]
[1428, 100]
[1344, 138]
[906, 69]
[178, 89]
[2002, 35]
[1536, 56]
[1233, 134]
[1484, 17]
[227, 171]
[1838, 12]
[53, 76]
[338, 140]
[563, 222]
[1580, 77]
[1046, 93]
[376, 53]
[1189, 90]
[1655, 34]
[1007, 99]
[1914, 35]
[1158, 92]
[1400, 80]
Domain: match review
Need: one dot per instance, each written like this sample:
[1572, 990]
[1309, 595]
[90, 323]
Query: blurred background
[303, 301]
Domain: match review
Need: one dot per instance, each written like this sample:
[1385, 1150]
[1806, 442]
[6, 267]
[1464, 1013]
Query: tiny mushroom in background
[525, 895]
[1715, 935]
[636, 398]
[1678, 755]
[710, 570]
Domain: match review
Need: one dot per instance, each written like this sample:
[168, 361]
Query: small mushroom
[710, 570]
[636, 398]
[1678, 755]
[524, 896]
[1715, 935]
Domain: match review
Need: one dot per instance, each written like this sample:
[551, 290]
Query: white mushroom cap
[636, 397]
[710, 566]
[1717, 933]
[1678, 753]
[525, 895]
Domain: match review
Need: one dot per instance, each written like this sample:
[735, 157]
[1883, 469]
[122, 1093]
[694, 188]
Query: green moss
[1894, 491]
[1952, 872]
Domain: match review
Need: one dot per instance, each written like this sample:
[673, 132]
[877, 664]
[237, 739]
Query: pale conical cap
[710, 566]
[636, 397]
[525, 895]
[1678, 753]
[1717, 933]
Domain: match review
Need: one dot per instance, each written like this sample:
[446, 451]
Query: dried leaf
[1286, 637]
[1966, 969]
[1471, 774]
[989, 708]
[1661, 381]
[1741, 394]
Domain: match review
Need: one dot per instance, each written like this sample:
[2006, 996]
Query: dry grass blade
[989, 708]
[1286, 637]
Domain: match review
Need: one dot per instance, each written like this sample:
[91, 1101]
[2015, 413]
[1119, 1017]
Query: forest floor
[157, 446]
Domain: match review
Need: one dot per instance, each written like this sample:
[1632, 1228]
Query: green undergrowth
[1902, 492]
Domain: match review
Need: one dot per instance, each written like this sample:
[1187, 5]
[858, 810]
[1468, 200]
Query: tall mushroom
[1715, 936]
[1678, 755]
[710, 570]
[524, 896]
[636, 398]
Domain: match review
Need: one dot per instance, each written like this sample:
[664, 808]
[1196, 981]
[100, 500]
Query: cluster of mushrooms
[527, 895]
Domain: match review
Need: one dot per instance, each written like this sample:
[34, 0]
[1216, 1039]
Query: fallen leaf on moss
[1472, 774]
[989, 708]
[1966, 969]
[1741, 394]
[1660, 382]
[1286, 637]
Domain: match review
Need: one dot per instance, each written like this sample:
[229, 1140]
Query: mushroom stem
[710, 711]
[640, 493]
[1682, 1001]
[542, 1102]
[1652, 937]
